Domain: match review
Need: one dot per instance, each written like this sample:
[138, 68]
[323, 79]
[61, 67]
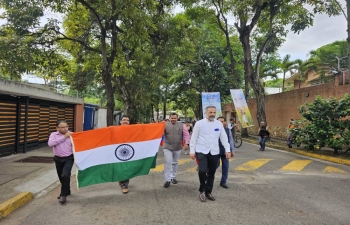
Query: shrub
[325, 122]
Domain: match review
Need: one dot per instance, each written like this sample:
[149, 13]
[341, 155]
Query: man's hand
[67, 135]
[232, 154]
[186, 146]
[193, 156]
[228, 154]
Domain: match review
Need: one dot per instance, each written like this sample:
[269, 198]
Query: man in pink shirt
[64, 159]
[174, 134]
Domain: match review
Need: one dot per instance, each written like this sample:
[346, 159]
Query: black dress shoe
[63, 199]
[167, 184]
[224, 185]
[58, 197]
[174, 181]
[210, 197]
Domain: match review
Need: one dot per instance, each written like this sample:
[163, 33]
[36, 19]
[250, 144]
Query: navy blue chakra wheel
[124, 152]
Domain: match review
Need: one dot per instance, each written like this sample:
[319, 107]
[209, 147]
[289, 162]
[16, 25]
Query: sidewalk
[326, 153]
[22, 181]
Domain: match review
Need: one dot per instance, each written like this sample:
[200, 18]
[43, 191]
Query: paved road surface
[271, 187]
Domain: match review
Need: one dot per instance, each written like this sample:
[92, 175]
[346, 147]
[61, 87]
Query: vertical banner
[211, 99]
[241, 107]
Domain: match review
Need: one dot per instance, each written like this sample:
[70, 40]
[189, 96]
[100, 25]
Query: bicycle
[237, 141]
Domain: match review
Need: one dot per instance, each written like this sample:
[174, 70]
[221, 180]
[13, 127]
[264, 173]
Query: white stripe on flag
[106, 154]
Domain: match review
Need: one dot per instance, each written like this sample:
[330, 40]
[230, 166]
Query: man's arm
[55, 139]
[231, 142]
[194, 138]
[185, 134]
[224, 140]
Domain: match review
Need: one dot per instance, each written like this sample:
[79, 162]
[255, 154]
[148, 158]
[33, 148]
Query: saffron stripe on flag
[116, 135]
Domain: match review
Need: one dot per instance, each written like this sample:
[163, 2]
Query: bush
[325, 123]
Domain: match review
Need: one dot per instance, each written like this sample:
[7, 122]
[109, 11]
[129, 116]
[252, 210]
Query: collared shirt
[62, 147]
[230, 138]
[205, 137]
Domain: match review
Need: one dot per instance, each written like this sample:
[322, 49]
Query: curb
[12, 204]
[300, 152]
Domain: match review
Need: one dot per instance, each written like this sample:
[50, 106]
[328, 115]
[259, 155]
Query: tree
[109, 30]
[286, 66]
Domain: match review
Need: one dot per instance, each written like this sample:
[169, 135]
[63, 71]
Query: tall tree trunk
[107, 79]
[253, 78]
[284, 78]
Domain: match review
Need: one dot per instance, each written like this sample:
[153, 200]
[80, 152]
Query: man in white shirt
[204, 146]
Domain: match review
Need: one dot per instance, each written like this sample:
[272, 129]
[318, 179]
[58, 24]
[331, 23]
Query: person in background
[189, 129]
[224, 161]
[291, 135]
[64, 159]
[263, 135]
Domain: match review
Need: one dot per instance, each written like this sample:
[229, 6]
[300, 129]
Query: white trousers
[171, 159]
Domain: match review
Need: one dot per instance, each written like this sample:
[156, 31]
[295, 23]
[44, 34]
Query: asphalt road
[271, 187]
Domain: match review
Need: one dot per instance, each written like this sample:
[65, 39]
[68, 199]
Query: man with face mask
[205, 147]
[175, 132]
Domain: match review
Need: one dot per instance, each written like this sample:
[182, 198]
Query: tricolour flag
[116, 153]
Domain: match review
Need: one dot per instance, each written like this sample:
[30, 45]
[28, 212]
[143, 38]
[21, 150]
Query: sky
[324, 31]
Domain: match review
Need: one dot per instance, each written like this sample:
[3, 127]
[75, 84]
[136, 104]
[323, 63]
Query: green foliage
[325, 123]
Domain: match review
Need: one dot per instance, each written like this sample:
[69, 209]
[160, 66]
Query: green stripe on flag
[115, 172]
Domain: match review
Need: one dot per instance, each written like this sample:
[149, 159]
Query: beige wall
[282, 107]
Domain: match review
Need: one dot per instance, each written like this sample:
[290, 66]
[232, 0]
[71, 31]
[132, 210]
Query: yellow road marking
[296, 165]
[160, 167]
[331, 169]
[252, 165]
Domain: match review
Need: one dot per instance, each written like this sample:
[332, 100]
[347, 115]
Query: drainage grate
[37, 159]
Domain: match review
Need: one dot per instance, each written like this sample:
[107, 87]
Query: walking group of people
[209, 141]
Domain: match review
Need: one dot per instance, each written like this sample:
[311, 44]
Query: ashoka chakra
[124, 152]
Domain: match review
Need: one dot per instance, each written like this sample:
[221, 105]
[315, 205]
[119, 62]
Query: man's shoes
[125, 190]
[167, 184]
[202, 196]
[210, 197]
[224, 185]
[174, 181]
[289, 146]
[63, 199]
[58, 197]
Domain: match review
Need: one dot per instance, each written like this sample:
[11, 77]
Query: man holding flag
[124, 184]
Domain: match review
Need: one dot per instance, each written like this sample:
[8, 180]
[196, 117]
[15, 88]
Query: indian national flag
[116, 153]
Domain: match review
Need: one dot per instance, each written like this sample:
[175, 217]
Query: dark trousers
[124, 183]
[207, 164]
[64, 168]
[225, 165]
[262, 141]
